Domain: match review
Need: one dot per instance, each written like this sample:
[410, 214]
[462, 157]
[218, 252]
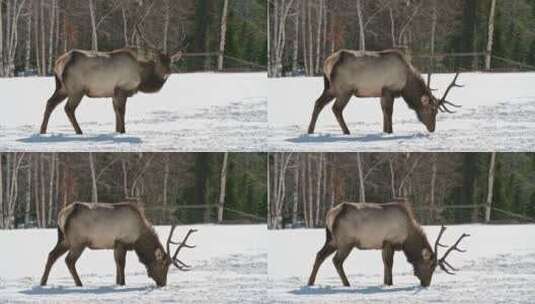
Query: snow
[498, 267]
[496, 115]
[192, 112]
[228, 266]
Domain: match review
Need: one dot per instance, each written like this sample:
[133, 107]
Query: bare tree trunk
[392, 27]
[295, 207]
[28, 49]
[490, 187]
[392, 177]
[302, 169]
[318, 190]
[27, 207]
[125, 178]
[295, 53]
[318, 39]
[304, 36]
[36, 37]
[94, 189]
[310, 41]
[43, 39]
[2, 57]
[36, 191]
[43, 190]
[362, 36]
[165, 184]
[51, 37]
[222, 36]
[490, 39]
[433, 183]
[222, 189]
[362, 189]
[310, 192]
[433, 32]
[125, 27]
[94, 35]
[52, 170]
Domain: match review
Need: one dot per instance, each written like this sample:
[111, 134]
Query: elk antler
[178, 263]
[443, 102]
[176, 56]
[444, 265]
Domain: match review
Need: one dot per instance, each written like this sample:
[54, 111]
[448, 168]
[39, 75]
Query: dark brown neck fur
[414, 245]
[146, 245]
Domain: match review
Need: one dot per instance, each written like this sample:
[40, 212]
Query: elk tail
[326, 83]
[61, 236]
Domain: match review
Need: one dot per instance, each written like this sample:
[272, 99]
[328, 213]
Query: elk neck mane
[414, 88]
[416, 240]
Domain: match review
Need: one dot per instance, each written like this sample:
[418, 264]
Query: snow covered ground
[499, 267]
[229, 266]
[497, 113]
[192, 112]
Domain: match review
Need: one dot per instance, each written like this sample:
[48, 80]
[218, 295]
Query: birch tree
[223, 34]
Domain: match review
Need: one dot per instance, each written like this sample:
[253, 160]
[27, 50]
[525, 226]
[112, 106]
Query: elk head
[158, 268]
[430, 105]
[425, 268]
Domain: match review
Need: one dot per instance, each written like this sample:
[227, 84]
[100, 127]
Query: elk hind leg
[324, 253]
[120, 261]
[53, 256]
[321, 102]
[388, 261]
[70, 109]
[51, 104]
[70, 260]
[338, 261]
[338, 109]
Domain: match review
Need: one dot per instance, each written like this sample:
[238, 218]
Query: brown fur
[387, 74]
[388, 227]
[121, 227]
[118, 74]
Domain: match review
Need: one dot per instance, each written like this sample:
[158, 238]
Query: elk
[390, 227]
[387, 74]
[118, 74]
[121, 227]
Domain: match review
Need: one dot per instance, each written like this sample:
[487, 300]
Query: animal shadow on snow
[328, 290]
[329, 138]
[60, 138]
[59, 290]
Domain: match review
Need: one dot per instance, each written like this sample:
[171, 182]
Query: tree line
[441, 187]
[302, 33]
[173, 187]
[34, 32]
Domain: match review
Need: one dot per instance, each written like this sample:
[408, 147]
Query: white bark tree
[490, 39]
[222, 35]
[490, 188]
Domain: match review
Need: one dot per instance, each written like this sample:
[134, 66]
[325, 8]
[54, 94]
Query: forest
[214, 34]
[438, 36]
[440, 187]
[172, 187]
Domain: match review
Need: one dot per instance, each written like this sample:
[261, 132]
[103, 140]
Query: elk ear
[159, 254]
[425, 100]
[426, 254]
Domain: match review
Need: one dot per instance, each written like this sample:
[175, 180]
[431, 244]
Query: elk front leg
[388, 261]
[120, 261]
[338, 109]
[322, 101]
[387, 105]
[324, 253]
[53, 256]
[51, 104]
[70, 260]
[70, 109]
[338, 261]
[119, 105]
